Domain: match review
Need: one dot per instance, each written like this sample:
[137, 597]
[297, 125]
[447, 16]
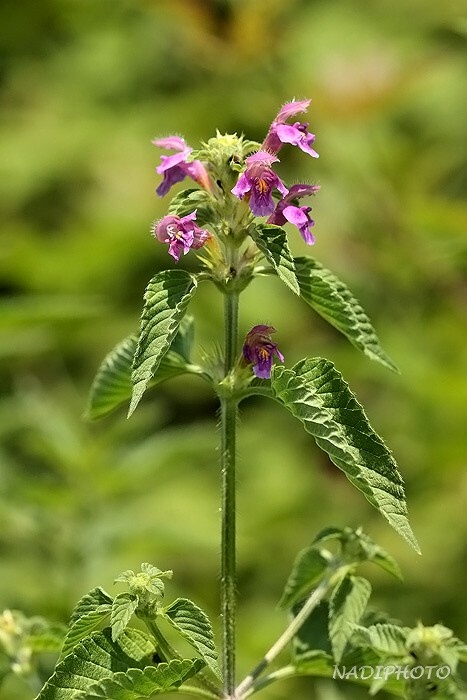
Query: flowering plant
[234, 219]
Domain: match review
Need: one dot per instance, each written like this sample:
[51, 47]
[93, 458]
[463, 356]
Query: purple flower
[175, 168]
[286, 210]
[296, 134]
[258, 181]
[259, 350]
[181, 233]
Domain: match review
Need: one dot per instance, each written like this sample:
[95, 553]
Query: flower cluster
[258, 185]
[259, 180]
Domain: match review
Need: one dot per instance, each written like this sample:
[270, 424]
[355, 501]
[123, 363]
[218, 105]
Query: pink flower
[181, 233]
[287, 210]
[296, 134]
[175, 168]
[259, 350]
[258, 182]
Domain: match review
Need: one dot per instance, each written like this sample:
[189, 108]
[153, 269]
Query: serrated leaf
[90, 612]
[112, 385]
[193, 624]
[137, 683]
[307, 571]
[332, 299]
[384, 639]
[272, 242]
[166, 298]
[315, 393]
[123, 608]
[94, 659]
[346, 606]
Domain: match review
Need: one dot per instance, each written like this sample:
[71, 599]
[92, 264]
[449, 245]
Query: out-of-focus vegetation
[85, 86]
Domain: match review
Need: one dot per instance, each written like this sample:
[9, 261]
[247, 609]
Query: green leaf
[272, 242]
[136, 644]
[385, 639]
[123, 608]
[307, 571]
[194, 626]
[112, 385]
[315, 393]
[90, 612]
[94, 659]
[346, 606]
[137, 683]
[330, 297]
[166, 299]
[187, 201]
[314, 633]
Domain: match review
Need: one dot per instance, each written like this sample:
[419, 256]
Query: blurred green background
[85, 86]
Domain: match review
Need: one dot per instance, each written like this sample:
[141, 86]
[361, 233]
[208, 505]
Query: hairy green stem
[228, 554]
[248, 684]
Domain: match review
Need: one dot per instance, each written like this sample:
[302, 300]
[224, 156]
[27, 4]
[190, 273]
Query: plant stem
[312, 601]
[228, 554]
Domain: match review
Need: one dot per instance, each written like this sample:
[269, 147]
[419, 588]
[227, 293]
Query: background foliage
[85, 86]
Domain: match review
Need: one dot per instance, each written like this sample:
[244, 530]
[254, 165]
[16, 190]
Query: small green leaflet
[194, 626]
[272, 242]
[166, 298]
[187, 201]
[308, 569]
[123, 608]
[315, 393]
[332, 299]
[346, 606]
[386, 639]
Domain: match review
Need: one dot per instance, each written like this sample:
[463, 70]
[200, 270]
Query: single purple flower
[296, 134]
[259, 350]
[258, 181]
[181, 233]
[175, 168]
[287, 210]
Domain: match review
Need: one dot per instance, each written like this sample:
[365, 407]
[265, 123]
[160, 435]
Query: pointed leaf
[123, 608]
[315, 393]
[307, 571]
[90, 612]
[346, 606]
[194, 626]
[94, 659]
[166, 299]
[137, 683]
[272, 242]
[112, 384]
[330, 297]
